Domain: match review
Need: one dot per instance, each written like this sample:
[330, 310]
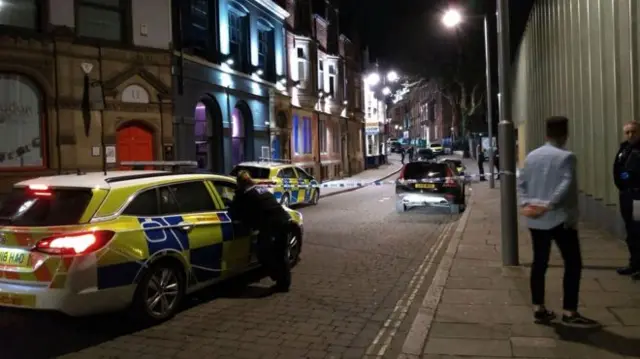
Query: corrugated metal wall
[579, 58]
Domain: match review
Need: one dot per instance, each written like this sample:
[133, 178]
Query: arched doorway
[134, 142]
[208, 135]
[242, 148]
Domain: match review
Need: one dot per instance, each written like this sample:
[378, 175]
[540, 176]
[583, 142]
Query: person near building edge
[626, 176]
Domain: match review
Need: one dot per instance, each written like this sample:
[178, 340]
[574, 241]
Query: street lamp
[392, 76]
[373, 79]
[386, 91]
[451, 19]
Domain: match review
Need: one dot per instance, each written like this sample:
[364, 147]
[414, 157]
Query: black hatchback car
[424, 154]
[429, 184]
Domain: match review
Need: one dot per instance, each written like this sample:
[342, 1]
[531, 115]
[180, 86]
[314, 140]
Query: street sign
[86, 67]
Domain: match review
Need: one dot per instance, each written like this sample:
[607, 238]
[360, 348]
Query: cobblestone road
[359, 257]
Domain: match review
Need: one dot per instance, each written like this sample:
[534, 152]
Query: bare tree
[464, 103]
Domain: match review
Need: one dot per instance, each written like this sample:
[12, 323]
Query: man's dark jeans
[567, 241]
[632, 227]
[273, 253]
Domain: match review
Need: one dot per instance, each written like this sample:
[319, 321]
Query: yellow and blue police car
[291, 185]
[97, 242]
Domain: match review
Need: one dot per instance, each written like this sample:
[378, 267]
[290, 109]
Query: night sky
[408, 34]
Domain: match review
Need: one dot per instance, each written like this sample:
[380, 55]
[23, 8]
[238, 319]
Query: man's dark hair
[557, 127]
[244, 180]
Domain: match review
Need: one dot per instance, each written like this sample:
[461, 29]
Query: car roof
[265, 164]
[114, 179]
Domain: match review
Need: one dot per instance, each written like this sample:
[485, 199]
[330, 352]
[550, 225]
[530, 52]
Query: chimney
[300, 19]
[333, 32]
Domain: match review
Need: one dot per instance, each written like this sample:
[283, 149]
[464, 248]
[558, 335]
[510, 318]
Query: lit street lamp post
[453, 18]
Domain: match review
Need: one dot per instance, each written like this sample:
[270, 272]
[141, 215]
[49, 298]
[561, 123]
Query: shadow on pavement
[35, 334]
[599, 338]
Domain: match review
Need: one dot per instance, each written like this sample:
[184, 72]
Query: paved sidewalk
[371, 175]
[482, 310]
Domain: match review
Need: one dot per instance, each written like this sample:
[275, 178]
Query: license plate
[14, 258]
[18, 300]
[425, 185]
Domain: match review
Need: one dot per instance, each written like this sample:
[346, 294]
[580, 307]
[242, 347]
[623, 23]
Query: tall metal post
[508, 205]
[487, 60]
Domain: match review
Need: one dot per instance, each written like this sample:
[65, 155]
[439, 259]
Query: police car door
[306, 182]
[290, 184]
[197, 225]
[239, 241]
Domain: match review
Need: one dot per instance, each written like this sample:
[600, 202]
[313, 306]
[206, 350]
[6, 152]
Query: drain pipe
[57, 105]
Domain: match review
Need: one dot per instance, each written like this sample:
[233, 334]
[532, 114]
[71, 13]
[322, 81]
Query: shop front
[373, 145]
[221, 118]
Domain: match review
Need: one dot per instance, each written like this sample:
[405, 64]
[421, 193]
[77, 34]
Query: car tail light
[449, 181]
[401, 175]
[449, 196]
[40, 190]
[74, 244]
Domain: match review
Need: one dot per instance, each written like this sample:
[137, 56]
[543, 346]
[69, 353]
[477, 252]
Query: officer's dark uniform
[480, 159]
[257, 208]
[626, 175]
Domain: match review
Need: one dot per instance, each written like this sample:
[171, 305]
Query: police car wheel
[159, 293]
[285, 200]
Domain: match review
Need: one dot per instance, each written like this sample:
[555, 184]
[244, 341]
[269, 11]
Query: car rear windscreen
[53, 207]
[436, 145]
[417, 170]
[425, 151]
[254, 172]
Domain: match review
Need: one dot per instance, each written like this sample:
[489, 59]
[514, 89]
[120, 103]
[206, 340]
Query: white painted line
[417, 336]
[399, 312]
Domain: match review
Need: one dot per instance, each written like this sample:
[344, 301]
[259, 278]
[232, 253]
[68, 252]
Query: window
[264, 47]
[336, 139]
[237, 36]
[254, 172]
[296, 135]
[321, 75]
[20, 123]
[58, 207]
[102, 19]
[287, 173]
[322, 135]
[302, 174]
[144, 204]
[193, 197]
[197, 30]
[332, 80]
[168, 202]
[226, 191]
[306, 128]
[20, 13]
[302, 67]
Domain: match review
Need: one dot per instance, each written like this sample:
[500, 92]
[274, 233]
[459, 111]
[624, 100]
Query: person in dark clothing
[402, 154]
[411, 151]
[626, 176]
[480, 158]
[258, 209]
[496, 162]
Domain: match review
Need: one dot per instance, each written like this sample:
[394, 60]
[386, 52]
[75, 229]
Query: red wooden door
[135, 143]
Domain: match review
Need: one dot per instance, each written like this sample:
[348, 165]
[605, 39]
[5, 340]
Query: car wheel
[159, 293]
[284, 200]
[315, 197]
[294, 247]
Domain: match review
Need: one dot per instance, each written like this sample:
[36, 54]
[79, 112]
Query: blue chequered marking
[117, 275]
[160, 237]
[226, 226]
[294, 197]
[206, 262]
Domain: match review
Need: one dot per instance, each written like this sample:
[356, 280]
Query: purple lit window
[296, 145]
[237, 136]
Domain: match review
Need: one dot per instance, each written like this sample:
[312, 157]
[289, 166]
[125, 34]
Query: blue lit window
[237, 31]
[296, 147]
[307, 135]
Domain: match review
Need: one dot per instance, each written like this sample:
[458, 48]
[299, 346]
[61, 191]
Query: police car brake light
[74, 244]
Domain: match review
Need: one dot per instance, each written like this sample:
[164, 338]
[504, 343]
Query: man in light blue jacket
[549, 199]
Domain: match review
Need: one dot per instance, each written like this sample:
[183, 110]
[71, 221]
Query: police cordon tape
[351, 184]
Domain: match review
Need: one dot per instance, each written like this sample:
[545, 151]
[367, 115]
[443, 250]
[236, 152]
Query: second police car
[89, 243]
[291, 185]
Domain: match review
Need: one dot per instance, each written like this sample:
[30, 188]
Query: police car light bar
[267, 159]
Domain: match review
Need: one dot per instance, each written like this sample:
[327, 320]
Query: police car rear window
[52, 207]
[254, 172]
[418, 170]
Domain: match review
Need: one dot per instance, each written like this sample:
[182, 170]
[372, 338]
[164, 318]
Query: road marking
[419, 331]
[401, 309]
[384, 199]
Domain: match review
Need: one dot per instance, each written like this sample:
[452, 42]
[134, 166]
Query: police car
[291, 185]
[96, 242]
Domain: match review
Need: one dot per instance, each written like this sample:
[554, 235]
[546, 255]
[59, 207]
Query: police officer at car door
[258, 209]
[626, 175]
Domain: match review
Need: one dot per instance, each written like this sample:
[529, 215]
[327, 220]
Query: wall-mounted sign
[372, 128]
[110, 154]
[134, 94]
[20, 122]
